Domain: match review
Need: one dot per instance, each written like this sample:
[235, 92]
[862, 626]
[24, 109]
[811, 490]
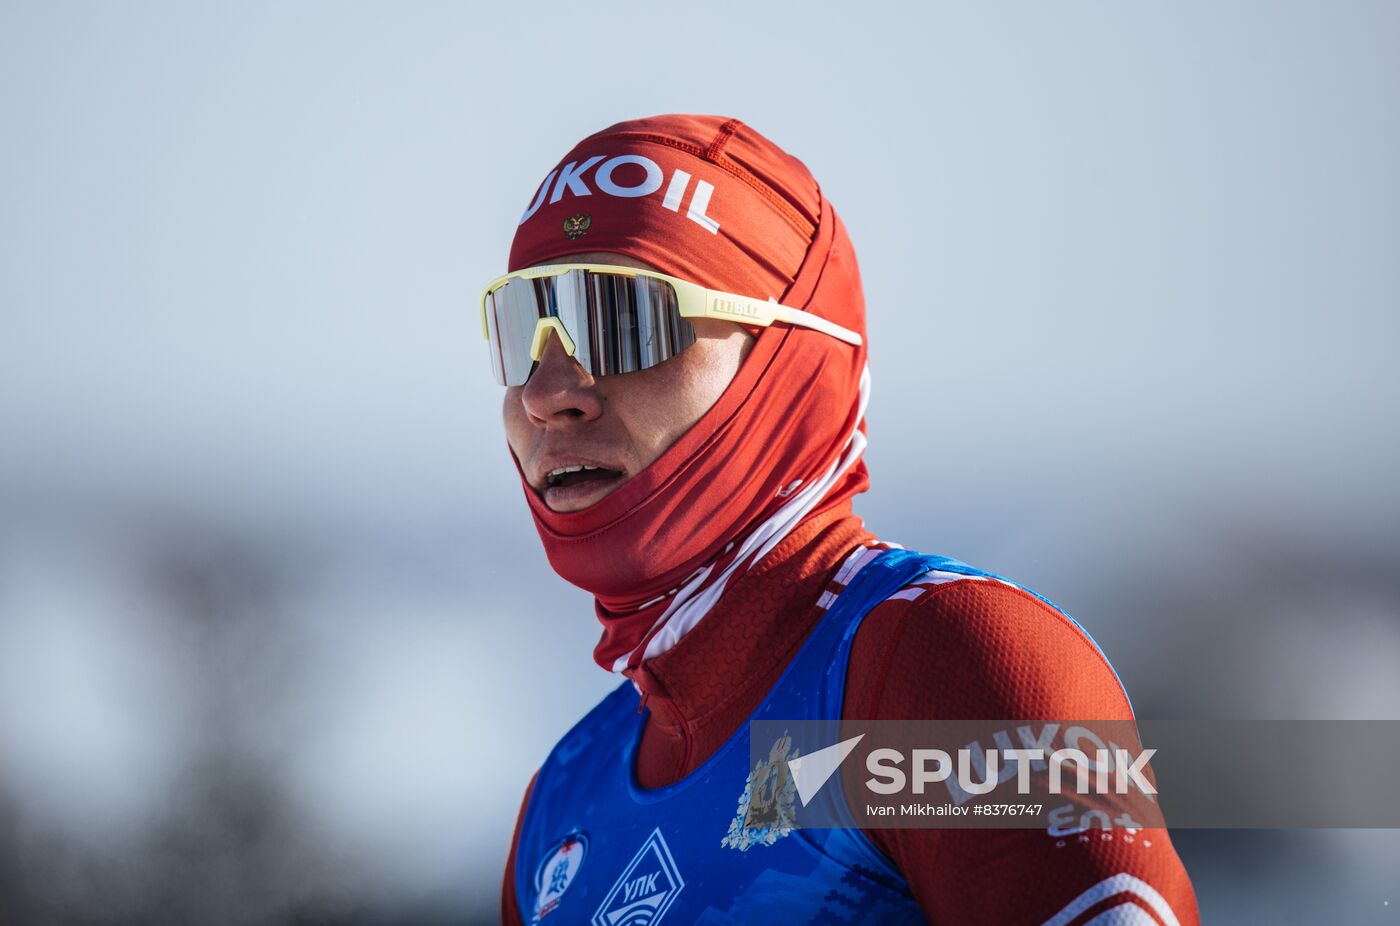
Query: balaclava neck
[708, 200]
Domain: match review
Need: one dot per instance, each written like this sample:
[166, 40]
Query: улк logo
[646, 889]
[557, 872]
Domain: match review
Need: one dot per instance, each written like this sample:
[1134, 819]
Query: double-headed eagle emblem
[576, 225]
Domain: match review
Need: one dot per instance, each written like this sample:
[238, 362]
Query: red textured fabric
[972, 650]
[962, 650]
[789, 412]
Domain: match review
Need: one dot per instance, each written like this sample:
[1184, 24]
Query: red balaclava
[709, 200]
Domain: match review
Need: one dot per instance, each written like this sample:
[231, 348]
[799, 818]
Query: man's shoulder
[981, 607]
[974, 644]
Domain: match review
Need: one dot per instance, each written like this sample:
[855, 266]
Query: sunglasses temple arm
[784, 313]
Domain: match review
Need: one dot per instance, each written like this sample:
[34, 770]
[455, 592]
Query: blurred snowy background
[278, 642]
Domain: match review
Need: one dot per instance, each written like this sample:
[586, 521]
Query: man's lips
[566, 470]
[574, 496]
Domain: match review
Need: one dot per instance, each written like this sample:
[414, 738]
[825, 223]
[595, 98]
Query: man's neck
[702, 689]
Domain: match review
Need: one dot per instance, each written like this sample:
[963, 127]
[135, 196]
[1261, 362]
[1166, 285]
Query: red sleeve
[510, 913]
[980, 649]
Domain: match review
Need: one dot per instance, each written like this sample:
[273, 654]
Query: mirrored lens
[512, 312]
[619, 323]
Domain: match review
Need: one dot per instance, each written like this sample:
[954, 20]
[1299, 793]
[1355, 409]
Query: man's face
[563, 416]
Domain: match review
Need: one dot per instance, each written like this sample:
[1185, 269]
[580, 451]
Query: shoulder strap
[878, 580]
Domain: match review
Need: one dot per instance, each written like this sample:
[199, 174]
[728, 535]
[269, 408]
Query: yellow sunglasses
[613, 319]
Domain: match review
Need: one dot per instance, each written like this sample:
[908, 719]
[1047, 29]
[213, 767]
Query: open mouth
[574, 487]
[576, 475]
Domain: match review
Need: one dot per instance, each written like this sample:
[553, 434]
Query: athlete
[682, 338]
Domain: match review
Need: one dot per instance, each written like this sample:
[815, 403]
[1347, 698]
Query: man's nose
[560, 390]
